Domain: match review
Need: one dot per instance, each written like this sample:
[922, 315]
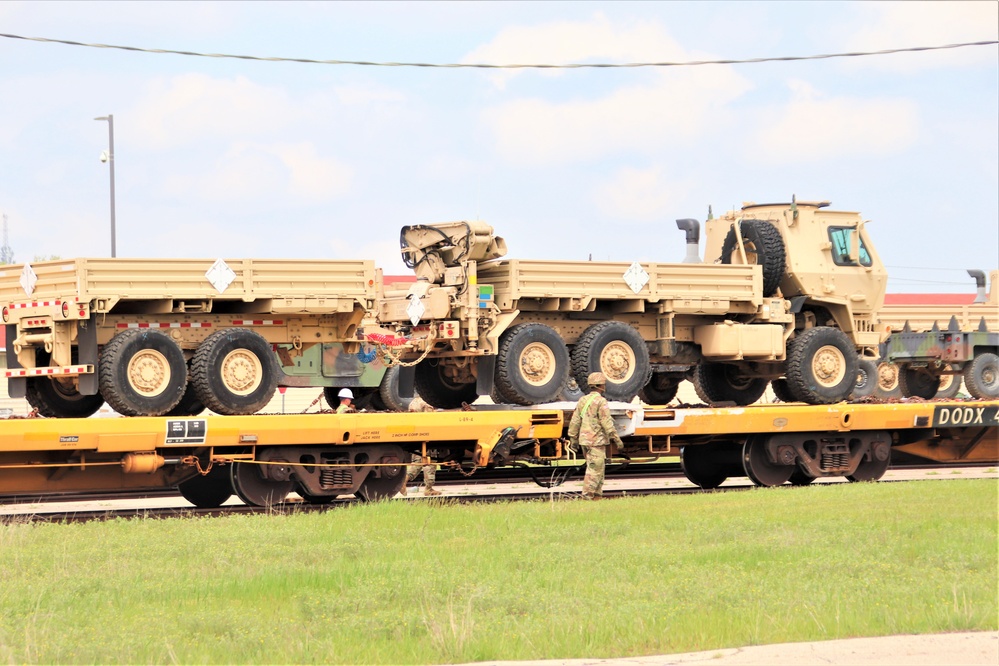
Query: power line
[689, 63]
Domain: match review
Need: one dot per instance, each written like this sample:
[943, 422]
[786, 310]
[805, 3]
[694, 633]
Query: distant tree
[42, 257]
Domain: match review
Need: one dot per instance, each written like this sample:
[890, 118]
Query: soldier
[429, 471]
[346, 398]
[592, 427]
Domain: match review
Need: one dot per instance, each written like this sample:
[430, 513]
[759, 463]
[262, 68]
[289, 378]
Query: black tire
[439, 391]
[142, 373]
[950, 385]
[918, 383]
[764, 246]
[56, 400]
[209, 491]
[389, 391]
[618, 351]
[532, 364]
[660, 390]
[721, 382]
[571, 391]
[821, 366]
[782, 391]
[189, 404]
[867, 379]
[887, 381]
[234, 371]
[981, 376]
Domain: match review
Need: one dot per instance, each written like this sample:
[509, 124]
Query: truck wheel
[532, 364]
[950, 385]
[660, 390]
[918, 383]
[618, 351]
[981, 376]
[142, 373]
[234, 372]
[571, 391]
[438, 390]
[189, 404]
[867, 379]
[764, 246]
[782, 391]
[821, 366]
[54, 399]
[209, 491]
[887, 384]
[389, 391]
[720, 382]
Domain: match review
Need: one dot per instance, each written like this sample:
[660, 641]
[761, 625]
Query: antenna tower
[6, 253]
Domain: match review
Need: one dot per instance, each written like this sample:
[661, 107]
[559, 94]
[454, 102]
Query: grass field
[429, 582]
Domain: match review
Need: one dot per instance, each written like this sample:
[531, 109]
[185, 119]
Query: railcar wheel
[438, 390]
[142, 373]
[389, 480]
[532, 364]
[821, 366]
[720, 382]
[875, 468]
[867, 379]
[981, 376]
[758, 466]
[309, 498]
[950, 385]
[764, 246]
[234, 372]
[209, 491]
[251, 486]
[618, 351]
[702, 466]
[54, 399]
[887, 384]
[660, 390]
[800, 478]
[918, 383]
[782, 391]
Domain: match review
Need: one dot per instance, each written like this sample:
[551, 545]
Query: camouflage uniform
[593, 428]
[429, 471]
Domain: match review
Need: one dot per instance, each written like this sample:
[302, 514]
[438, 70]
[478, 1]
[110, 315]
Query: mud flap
[87, 349]
[486, 368]
[17, 387]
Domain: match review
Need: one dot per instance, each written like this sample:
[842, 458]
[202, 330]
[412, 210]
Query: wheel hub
[617, 362]
[241, 372]
[829, 366]
[149, 372]
[537, 364]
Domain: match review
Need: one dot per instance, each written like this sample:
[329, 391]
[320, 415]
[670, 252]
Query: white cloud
[813, 127]
[311, 176]
[889, 25]
[640, 194]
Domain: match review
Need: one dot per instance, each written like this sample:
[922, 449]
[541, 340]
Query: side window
[841, 238]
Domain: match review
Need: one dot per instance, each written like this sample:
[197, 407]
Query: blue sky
[232, 158]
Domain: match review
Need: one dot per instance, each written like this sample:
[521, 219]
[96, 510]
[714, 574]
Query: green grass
[401, 582]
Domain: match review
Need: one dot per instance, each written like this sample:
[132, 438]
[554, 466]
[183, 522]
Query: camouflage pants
[593, 481]
[429, 472]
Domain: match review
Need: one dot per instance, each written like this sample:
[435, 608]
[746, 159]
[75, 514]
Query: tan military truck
[171, 336]
[788, 294]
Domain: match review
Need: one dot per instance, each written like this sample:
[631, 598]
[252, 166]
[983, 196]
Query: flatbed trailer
[262, 458]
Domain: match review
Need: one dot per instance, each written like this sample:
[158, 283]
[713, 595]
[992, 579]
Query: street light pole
[110, 161]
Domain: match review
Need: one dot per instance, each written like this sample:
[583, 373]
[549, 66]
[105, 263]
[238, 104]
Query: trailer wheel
[438, 390]
[209, 491]
[142, 373]
[950, 385]
[821, 366]
[918, 383]
[532, 364]
[721, 382]
[764, 246]
[384, 482]
[867, 379]
[782, 391]
[758, 466]
[250, 485]
[981, 376]
[54, 399]
[618, 351]
[887, 384]
[660, 390]
[234, 372]
[388, 390]
[571, 391]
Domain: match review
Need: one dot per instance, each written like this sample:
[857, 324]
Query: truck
[789, 294]
[935, 344]
[172, 337]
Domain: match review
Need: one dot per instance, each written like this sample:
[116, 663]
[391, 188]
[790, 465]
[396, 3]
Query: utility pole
[6, 253]
[108, 156]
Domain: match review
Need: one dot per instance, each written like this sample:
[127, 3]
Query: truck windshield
[842, 239]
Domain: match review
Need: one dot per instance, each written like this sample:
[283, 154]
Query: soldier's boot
[431, 492]
[402, 491]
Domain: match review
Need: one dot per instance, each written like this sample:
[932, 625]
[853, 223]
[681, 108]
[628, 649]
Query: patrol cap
[596, 379]
[345, 393]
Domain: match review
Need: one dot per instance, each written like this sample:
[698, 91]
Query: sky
[243, 159]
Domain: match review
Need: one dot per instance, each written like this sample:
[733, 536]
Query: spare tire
[764, 246]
